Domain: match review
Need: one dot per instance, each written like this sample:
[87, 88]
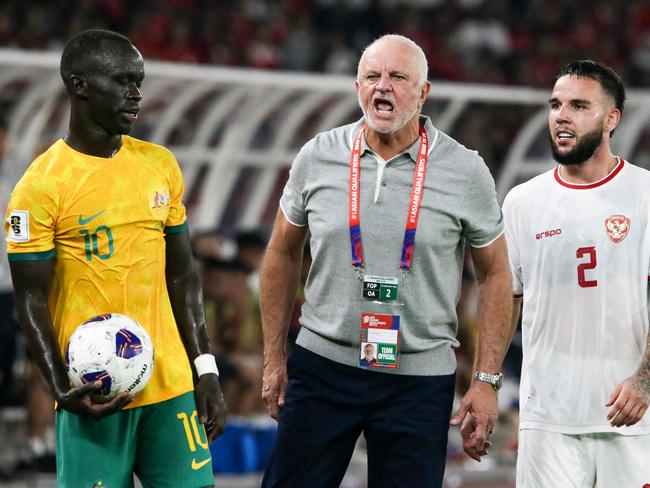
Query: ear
[79, 85]
[612, 119]
[425, 92]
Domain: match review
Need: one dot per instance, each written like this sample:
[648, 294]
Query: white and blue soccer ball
[114, 349]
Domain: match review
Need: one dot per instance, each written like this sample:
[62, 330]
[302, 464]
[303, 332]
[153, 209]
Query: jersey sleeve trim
[176, 229]
[31, 256]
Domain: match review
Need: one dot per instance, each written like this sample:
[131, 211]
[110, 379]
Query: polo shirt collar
[411, 151]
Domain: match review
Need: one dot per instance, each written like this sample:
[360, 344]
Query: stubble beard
[394, 126]
[583, 150]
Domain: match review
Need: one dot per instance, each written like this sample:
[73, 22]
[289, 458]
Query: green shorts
[163, 444]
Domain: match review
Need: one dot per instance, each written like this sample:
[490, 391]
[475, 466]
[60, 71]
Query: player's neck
[594, 169]
[92, 140]
[390, 145]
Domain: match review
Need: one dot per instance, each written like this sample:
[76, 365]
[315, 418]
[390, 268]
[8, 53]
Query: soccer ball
[114, 349]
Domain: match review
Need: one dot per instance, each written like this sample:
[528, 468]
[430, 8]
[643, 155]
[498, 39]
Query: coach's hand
[629, 402]
[274, 386]
[83, 400]
[210, 405]
[477, 413]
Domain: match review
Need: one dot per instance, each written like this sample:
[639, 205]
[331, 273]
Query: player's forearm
[32, 281]
[187, 304]
[279, 279]
[185, 295]
[494, 320]
[36, 323]
[642, 375]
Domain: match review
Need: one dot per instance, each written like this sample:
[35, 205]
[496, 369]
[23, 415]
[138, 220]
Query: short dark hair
[604, 75]
[83, 48]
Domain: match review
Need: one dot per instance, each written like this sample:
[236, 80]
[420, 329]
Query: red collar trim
[588, 186]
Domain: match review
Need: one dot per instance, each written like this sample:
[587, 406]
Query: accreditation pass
[380, 288]
[379, 346]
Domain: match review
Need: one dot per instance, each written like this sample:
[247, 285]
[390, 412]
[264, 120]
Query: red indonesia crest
[617, 227]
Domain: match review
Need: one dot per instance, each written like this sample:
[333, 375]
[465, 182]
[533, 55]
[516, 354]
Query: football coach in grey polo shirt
[389, 203]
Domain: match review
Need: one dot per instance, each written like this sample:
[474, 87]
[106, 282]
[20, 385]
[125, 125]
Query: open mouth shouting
[383, 107]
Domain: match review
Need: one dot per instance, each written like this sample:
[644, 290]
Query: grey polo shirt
[458, 204]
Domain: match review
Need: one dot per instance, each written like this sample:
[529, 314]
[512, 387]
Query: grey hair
[418, 54]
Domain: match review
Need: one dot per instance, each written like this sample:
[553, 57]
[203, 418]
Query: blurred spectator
[251, 245]
[641, 59]
[482, 34]
[210, 244]
[250, 248]
[232, 314]
[233, 317]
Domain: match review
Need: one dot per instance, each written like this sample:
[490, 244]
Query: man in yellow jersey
[97, 225]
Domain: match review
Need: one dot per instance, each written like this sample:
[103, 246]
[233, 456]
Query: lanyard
[413, 210]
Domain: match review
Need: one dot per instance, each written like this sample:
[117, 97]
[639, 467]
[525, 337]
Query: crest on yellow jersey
[160, 199]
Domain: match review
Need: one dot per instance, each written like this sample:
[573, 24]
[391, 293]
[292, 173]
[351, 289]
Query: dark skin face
[105, 97]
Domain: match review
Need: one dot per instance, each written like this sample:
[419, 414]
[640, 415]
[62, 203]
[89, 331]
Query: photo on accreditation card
[368, 355]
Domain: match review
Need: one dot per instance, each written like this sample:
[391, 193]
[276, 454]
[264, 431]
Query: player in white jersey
[579, 245]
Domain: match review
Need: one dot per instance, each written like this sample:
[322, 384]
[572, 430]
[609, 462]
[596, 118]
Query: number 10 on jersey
[94, 240]
[590, 253]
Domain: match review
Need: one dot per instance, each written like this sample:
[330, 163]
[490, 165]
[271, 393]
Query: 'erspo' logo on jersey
[548, 233]
[617, 227]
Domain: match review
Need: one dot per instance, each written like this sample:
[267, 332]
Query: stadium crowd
[517, 42]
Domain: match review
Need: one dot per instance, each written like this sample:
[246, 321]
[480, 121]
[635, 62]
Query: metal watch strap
[493, 379]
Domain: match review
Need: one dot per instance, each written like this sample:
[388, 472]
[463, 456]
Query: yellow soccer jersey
[103, 220]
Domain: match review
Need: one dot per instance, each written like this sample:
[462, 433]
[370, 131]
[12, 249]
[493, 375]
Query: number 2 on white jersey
[590, 252]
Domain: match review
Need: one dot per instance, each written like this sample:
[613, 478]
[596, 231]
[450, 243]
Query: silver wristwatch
[494, 379]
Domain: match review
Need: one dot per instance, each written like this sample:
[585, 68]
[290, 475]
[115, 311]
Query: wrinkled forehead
[390, 55]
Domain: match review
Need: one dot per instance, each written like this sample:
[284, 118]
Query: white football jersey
[580, 256]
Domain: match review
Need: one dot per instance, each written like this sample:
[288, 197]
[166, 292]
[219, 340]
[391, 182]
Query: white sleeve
[511, 221]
